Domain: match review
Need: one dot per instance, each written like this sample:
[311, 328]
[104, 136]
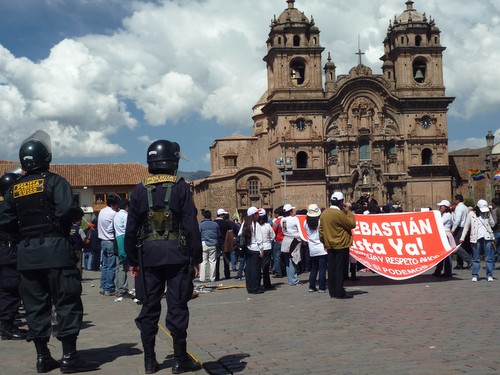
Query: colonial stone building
[316, 131]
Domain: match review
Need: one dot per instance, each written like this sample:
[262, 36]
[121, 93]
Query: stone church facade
[316, 131]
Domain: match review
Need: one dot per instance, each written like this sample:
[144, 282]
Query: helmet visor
[42, 137]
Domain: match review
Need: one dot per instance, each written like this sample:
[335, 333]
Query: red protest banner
[400, 245]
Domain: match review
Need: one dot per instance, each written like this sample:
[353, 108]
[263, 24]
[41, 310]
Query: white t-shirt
[105, 224]
[290, 226]
[316, 247]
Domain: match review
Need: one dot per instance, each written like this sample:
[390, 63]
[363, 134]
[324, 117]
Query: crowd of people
[283, 246]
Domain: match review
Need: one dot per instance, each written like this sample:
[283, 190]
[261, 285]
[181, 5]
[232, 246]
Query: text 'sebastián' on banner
[400, 245]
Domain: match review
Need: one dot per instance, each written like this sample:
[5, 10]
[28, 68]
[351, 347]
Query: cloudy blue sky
[106, 77]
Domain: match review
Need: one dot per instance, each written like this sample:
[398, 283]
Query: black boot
[11, 332]
[44, 361]
[352, 268]
[183, 361]
[71, 361]
[150, 363]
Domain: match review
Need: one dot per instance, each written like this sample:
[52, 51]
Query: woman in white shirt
[317, 252]
[267, 245]
[479, 222]
[290, 247]
[446, 217]
[252, 247]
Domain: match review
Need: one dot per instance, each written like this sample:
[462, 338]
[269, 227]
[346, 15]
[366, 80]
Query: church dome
[292, 14]
[410, 15]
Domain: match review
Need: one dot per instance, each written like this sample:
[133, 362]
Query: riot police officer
[40, 207]
[162, 237]
[10, 299]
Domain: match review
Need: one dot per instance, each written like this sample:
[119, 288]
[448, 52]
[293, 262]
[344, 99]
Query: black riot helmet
[35, 152]
[163, 157]
[6, 181]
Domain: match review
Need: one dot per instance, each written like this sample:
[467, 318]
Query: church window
[279, 40]
[315, 41]
[296, 40]
[297, 71]
[426, 156]
[253, 187]
[364, 150]
[418, 40]
[302, 159]
[230, 161]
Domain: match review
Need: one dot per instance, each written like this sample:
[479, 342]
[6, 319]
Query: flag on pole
[497, 175]
[236, 215]
[476, 174]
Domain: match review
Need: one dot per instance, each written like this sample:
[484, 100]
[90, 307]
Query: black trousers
[10, 299]
[266, 267]
[337, 260]
[252, 270]
[179, 291]
[226, 258]
[61, 287]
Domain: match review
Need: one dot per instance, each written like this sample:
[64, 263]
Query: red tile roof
[79, 175]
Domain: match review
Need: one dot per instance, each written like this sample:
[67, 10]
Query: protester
[88, 255]
[210, 233]
[317, 252]
[267, 246]
[336, 224]
[108, 250]
[444, 209]
[225, 230]
[80, 240]
[459, 217]
[278, 266]
[122, 266]
[290, 247]
[251, 234]
[479, 222]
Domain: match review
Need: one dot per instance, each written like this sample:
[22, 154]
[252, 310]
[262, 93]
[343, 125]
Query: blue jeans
[242, 264]
[497, 242]
[318, 265]
[87, 260]
[108, 266]
[277, 259]
[486, 246]
[291, 270]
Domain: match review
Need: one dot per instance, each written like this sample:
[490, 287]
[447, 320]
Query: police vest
[162, 223]
[34, 208]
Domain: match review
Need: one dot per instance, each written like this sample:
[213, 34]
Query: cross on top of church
[359, 53]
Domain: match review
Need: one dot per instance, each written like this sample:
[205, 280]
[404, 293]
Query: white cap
[288, 207]
[221, 211]
[337, 196]
[444, 202]
[483, 205]
[313, 210]
[252, 211]
[262, 212]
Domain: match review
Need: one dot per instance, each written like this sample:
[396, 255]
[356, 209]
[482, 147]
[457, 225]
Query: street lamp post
[490, 140]
[283, 164]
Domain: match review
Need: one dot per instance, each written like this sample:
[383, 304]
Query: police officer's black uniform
[10, 299]
[40, 207]
[165, 259]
